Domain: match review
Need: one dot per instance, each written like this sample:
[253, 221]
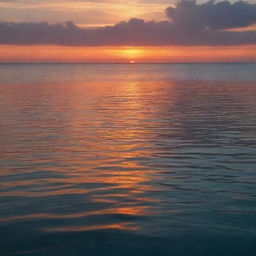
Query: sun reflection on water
[121, 154]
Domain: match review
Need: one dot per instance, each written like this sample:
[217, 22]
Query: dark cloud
[211, 15]
[191, 24]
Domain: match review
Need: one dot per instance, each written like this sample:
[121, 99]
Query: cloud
[190, 24]
[211, 15]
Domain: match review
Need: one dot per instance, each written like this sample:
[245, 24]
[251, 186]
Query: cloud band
[189, 24]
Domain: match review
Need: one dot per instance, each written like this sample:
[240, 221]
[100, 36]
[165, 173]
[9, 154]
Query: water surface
[128, 159]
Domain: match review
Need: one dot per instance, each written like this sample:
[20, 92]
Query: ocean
[128, 159]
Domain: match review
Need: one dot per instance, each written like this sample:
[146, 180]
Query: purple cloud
[190, 24]
[211, 15]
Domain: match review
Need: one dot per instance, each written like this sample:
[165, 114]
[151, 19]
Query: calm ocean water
[121, 160]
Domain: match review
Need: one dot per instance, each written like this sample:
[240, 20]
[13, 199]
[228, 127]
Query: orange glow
[102, 169]
[97, 13]
[121, 226]
[126, 54]
[139, 210]
[132, 52]
[124, 178]
[249, 28]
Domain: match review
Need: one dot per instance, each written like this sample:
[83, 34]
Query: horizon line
[127, 63]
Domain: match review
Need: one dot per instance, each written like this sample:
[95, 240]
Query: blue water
[118, 160]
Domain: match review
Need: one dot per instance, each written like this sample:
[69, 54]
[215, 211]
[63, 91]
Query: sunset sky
[127, 31]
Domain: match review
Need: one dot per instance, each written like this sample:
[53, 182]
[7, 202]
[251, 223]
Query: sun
[132, 61]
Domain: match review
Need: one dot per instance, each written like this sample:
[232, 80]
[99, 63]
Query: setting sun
[125, 54]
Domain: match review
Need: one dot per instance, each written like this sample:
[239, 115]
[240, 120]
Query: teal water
[144, 159]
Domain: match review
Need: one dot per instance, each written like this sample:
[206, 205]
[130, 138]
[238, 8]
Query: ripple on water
[163, 158]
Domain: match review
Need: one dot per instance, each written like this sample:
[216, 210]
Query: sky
[127, 31]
